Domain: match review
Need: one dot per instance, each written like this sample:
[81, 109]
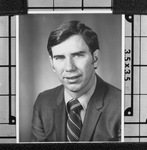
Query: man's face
[74, 64]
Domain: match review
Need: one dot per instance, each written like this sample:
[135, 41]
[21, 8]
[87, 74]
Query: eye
[79, 55]
[59, 57]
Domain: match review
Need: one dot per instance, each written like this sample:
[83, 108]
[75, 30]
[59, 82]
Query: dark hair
[68, 29]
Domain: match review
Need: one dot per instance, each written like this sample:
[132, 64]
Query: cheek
[58, 69]
[87, 68]
[58, 66]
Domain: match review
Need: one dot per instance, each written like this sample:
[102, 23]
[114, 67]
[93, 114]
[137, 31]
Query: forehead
[73, 44]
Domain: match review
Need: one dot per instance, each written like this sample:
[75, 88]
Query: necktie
[74, 122]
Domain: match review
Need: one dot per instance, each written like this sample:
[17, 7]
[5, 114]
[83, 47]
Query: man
[84, 107]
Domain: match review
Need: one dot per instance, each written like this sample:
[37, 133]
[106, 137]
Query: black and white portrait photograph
[70, 77]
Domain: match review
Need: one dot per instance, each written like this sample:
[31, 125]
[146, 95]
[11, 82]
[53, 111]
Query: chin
[73, 88]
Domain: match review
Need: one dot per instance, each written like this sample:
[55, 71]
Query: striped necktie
[74, 122]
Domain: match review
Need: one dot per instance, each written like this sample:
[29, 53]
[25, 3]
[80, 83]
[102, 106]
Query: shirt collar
[84, 99]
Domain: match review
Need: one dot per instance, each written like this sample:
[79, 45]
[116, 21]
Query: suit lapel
[93, 111]
[60, 118]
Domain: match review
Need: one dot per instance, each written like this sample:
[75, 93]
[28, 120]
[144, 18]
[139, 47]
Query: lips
[72, 77]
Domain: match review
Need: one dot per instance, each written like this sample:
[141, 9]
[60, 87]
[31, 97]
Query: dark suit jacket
[102, 120]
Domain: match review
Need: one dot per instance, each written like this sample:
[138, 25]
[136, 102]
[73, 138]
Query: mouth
[72, 78]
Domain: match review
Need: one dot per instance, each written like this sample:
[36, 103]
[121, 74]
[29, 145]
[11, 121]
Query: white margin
[17, 79]
[71, 12]
[122, 88]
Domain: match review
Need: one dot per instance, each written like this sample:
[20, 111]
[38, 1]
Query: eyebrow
[80, 52]
[55, 56]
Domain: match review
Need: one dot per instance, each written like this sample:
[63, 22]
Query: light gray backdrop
[35, 73]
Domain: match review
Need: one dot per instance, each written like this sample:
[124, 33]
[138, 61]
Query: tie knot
[74, 105]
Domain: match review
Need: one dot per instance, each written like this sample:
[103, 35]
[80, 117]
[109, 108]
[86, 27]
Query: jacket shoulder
[109, 91]
[49, 97]
[51, 92]
[114, 91]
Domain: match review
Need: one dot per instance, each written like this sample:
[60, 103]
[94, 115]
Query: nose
[69, 65]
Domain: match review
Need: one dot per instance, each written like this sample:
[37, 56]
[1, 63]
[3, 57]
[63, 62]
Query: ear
[51, 61]
[96, 58]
